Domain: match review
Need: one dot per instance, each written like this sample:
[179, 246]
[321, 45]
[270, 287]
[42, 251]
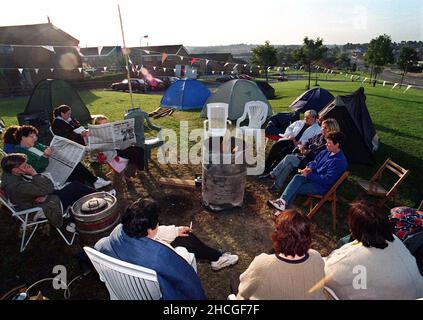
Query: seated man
[27, 189]
[296, 134]
[307, 153]
[319, 175]
[141, 241]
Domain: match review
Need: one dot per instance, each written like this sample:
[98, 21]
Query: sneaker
[101, 183]
[266, 177]
[227, 259]
[39, 216]
[278, 204]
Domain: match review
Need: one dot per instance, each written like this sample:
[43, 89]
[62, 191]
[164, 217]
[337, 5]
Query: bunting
[164, 57]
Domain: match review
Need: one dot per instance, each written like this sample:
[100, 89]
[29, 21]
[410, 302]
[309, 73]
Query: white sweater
[357, 272]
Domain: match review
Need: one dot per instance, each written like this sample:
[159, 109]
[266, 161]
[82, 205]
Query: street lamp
[146, 36]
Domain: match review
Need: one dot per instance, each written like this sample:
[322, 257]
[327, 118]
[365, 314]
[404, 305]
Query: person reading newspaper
[39, 158]
[134, 154]
[65, 126]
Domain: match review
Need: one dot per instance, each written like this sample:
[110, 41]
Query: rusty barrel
[224, 174]
[96, 213]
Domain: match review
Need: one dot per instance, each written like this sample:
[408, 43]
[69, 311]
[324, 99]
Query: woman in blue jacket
[319, 175]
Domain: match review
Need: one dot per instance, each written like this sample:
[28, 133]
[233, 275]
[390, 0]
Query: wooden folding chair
[373, 187]
[329, 196]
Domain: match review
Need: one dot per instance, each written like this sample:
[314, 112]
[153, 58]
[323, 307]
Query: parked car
[245, 77]
[156, 84]
[138, 85]
[282, 78]
[225, 78]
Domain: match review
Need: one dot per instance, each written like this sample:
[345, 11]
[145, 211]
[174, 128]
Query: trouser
[298, 185]
[284, 168]
[135, 155]
[81, 174]
[197, 247]
[72, 192]
[278, 151]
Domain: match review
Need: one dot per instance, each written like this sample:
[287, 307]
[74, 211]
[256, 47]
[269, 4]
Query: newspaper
[63, 160]
[111, 136]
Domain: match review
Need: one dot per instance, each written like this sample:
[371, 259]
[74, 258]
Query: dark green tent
[49, 94]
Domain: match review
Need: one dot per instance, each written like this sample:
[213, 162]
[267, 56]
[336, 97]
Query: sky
[221, 22]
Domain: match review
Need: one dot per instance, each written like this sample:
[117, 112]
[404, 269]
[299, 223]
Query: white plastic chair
[27, 223]
[331, 293]
[257, 114]
[217, 120]
[125, 281]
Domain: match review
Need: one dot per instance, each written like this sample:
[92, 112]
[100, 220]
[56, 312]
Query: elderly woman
[376, 265]
[38, 157]
[307, 153]
[65, 126]
[293, 272]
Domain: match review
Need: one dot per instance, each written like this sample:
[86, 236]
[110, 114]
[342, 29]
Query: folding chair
[373, 187]
[329, 196]
[217, 120]
[26, 218]
[125, 281]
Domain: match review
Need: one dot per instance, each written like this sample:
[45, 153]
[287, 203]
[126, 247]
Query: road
[390, 76]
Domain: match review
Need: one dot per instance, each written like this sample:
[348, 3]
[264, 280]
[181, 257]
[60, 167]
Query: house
[30, 53]
[218, 62]
[103, 59]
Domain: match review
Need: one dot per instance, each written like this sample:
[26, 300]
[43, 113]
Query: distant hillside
[237, 50]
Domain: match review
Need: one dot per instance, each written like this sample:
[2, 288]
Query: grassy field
[397, 118]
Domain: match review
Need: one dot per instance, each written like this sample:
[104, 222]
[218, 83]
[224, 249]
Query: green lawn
[397, 117]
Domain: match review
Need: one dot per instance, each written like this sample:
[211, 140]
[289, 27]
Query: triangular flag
[133, 68]
[36, 70]
[154, 67]
[213, 71]
[182, 58]
[395, 85]
[222, 72]
[20, 70]
[147, 51]
[232, 72]
[340, 72]
[130, 61]
[164, 69]
[207, 62]
[99, 50]
[79, 51]
[235, 66]
[352, 77]
[105, 68]
[52, 69]
[384, 83]
[193, 60]
[126, 68]
[226, 64]
[245, 66]
[80, 70]
[49, 48]
[407, 88]
[260, 71]
[364, 80]
[331, 71]
[164, 57]
[268, 69]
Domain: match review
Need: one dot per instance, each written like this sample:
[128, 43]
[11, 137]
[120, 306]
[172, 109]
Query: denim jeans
[284, 168]
[298, 185]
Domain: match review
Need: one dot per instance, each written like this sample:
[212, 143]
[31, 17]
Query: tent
[315, 99]
[236, 93]
[186, 94]
[47, 95]
[50, 93]
[354, 120]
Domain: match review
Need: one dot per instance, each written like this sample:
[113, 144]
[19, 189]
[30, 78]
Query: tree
[379, 54]
[408, 57]
[264, 56]
[311, 50]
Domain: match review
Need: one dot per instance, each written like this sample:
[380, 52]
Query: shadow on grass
[379, 127]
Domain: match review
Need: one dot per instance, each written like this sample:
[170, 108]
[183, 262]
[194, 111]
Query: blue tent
[315, 99]
[185, 94]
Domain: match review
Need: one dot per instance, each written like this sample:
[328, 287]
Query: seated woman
[319, 175]
[376, 265]
[165, 249]
[293, 272]
[134, 154]
[26, 189]
[38, 155]
[307, 153]
[9, 139]
[65, 126]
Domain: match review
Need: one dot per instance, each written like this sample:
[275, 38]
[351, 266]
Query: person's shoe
[227, 259]
[266, 177]
[278, 204]
[101, 183]
[274, 189]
